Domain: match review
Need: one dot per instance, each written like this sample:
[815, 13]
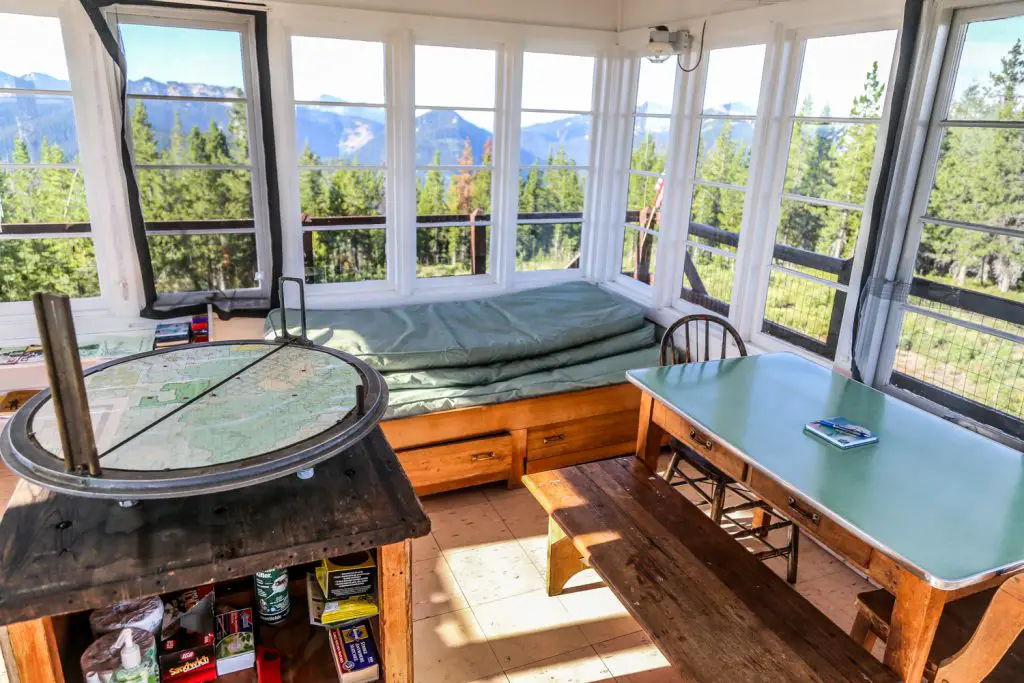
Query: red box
[187, 653]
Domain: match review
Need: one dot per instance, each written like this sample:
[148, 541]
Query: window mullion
[402, 161]
[505, 185]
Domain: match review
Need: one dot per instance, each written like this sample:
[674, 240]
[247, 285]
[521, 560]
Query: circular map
[196, 418]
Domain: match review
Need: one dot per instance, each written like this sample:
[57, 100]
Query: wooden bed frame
[502, 442]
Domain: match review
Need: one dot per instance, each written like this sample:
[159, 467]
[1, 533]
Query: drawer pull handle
[477, 457]
[701, 439]
[554, 439]
[809, 515]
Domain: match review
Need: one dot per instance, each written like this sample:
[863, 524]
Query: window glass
[557, 82]
[45, 242]
[991, 48]
[183, 62]
[733, 82]
[332, 70]
[474, 86]
[842, 74]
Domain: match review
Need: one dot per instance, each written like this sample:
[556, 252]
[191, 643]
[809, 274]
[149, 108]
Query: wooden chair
[977, 639]
[720, 483]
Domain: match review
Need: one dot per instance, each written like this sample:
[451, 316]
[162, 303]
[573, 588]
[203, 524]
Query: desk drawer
[459, 463]
[811, 520]
[553, 440]
[707, 447]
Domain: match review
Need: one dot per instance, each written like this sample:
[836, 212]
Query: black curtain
[874, 290]
[190, 303]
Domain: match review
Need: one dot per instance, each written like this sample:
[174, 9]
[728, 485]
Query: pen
[855, 431]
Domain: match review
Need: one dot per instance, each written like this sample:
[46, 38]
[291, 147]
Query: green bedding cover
[460, 334]
[596, 373]
[640, 338]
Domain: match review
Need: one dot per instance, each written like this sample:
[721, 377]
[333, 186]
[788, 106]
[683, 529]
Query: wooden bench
[714, 611]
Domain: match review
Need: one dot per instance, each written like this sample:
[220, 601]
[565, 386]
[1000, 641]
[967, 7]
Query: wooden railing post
[478, 245]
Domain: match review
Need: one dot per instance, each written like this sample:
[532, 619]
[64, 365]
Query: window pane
[324, 194]
[28, 122]
[979, 178]
[65, 265]
[831, 161]
[547, 191]
[344, 256]
[557, 82]
[721, 210]
[548, 247]
[447, 251]
[824, 230]
[643, 205]
[639, 255]
[733, 83]
[42, 195]
[723, 154]
[203, 262]
[555, 139]
[650, 144]
[707, 279]
[333, 70]
[990, 60]
[32, 53]
[846, 75]
[976, 261]
[452, 138]
[174, 132]
[453, 193]
[329, 135]
[968, 363]
[193, 62]
[810, 309]
[656, 85]
[455, 77]
[195, 195]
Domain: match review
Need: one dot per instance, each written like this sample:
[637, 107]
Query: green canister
[272, 599]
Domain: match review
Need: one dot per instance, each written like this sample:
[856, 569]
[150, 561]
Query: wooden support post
[515, 476]
[395, 579]
[564, 561]
[36, 653]
[915, 618]
[648, 435]
[478, 246]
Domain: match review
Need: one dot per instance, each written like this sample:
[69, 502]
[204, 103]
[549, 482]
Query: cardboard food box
[347, 576]
[187, 646]
[236, 641]
[355, 654]
[324, 612]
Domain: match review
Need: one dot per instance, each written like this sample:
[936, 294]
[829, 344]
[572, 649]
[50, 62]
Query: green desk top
[943, 501]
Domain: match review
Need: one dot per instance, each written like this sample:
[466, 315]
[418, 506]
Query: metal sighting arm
[67, 385]
[285, 334]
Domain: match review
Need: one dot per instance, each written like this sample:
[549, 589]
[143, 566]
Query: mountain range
[332, 132]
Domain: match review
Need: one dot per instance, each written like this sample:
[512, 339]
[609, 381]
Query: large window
[825, 187]
[652, 119]
[190, 118]
[555, 137]
[721, 175]
[962, 337]
[340, 118]
[45, 242]
[455, 107]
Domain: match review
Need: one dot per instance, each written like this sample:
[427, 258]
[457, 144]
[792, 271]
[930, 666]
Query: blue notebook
[841, 433]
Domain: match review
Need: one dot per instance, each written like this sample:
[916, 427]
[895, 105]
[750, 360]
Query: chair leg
[794, 553]
[861, 632]
[718, 502]
[672, 465]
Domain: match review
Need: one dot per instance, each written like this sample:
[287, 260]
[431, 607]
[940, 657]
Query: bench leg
[564, 561]
[862, 633]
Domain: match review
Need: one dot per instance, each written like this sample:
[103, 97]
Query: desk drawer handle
[477, 457]
[809, 515]
[702, 440]
[554, 439]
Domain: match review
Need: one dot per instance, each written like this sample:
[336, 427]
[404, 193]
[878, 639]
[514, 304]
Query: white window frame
[934, 78]
[515, 138]
[245, 26]
[783, 127]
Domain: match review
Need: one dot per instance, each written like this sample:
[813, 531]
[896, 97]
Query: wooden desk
[932, 512]
[60, 554]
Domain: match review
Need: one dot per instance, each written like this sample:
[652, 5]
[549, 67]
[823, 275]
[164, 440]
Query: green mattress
[596, 373]
[480, 332]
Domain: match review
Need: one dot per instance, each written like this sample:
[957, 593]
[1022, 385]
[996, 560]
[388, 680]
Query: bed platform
[491, 389]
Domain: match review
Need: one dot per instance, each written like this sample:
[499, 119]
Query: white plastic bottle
[132, 669]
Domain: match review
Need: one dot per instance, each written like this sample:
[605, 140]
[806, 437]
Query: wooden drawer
[558, 439]
[811, 520]
[459, 463]
[708, 448]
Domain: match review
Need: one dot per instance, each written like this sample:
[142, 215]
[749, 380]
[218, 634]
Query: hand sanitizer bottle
[132, 669]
